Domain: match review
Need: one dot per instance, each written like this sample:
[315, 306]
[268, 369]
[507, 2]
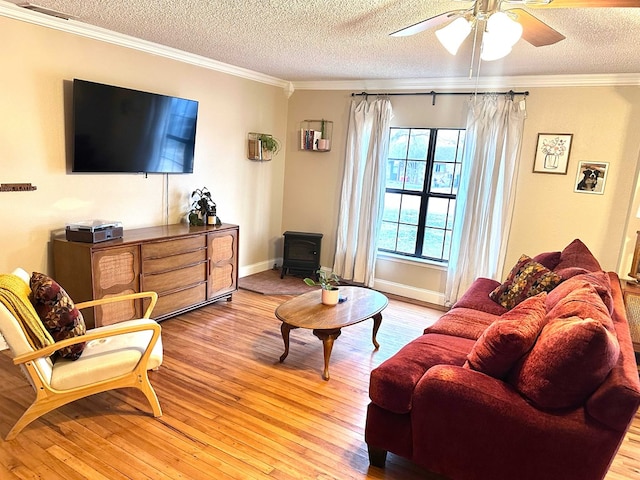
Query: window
[423, 174]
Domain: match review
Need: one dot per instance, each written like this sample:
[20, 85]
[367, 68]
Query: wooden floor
[231, 410]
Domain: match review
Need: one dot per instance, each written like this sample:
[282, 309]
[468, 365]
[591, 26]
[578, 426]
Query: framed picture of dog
[591, 177]
[552, 153]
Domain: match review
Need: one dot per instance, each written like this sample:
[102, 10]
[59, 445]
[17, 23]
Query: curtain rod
[435, 94]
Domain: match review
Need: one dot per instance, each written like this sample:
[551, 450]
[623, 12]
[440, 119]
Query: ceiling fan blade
[588, 4]
[535, 31]
[427, 24]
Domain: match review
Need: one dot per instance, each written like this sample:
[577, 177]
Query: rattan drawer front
[173, 247]
[179, 300]
[167, 281]
[156, 265]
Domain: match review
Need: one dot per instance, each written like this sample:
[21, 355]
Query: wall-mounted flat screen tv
[119, 130]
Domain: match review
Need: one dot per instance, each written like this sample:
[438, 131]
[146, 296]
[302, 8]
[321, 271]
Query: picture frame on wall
[552, 153]
[591, 177]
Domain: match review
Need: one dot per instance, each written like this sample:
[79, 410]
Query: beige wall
[266, 199]
[548, 213]
[37, 71]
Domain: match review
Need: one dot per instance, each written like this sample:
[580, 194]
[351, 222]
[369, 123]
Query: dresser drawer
[179, 300]
[175, 279]
[172, 247]
[157, 265]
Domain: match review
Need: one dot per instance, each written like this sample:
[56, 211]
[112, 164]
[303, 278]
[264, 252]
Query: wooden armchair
[115, 356]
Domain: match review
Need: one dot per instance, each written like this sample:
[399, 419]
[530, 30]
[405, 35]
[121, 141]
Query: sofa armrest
[465, 421]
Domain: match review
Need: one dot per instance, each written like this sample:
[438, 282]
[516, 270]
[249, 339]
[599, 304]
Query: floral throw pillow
[58, 313]
[526, 279]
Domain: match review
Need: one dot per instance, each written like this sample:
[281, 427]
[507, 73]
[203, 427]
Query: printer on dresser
[187, 266]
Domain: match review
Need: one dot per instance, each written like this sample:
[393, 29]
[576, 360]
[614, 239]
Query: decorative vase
[330, 297]
[550, 161]
[324, 144]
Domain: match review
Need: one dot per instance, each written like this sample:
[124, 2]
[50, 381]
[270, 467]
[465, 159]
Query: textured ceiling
[318, 40]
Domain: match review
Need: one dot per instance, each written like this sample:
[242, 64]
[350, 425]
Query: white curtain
[486, 193]
[362, 198]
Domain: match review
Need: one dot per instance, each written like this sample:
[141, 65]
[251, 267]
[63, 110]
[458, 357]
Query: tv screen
[119, 130]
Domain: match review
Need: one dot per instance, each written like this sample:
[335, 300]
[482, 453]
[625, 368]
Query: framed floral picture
[591, 177]
[552, 153]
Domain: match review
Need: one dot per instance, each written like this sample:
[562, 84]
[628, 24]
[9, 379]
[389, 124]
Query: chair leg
[377, 456]
[145, 387]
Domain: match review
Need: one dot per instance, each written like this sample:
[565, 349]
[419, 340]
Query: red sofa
[544, 388]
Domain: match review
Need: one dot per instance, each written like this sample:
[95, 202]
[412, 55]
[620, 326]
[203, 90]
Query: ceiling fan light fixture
[452, 36]
[501, 35]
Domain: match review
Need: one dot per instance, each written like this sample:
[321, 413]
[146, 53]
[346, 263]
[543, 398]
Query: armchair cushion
[107, 358]
[508, 339]
[526, 279]
[58, 313]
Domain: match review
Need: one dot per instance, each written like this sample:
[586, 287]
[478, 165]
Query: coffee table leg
[377, 320]
[327, 337]
[285, 328]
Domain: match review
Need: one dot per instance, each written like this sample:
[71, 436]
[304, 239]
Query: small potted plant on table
[329, 282]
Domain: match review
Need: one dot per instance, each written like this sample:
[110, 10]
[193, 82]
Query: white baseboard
[429, 296]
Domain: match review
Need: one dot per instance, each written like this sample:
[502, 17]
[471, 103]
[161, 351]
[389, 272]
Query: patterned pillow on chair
[58, 313]
[526, 279]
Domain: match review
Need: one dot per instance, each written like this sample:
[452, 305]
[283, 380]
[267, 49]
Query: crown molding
[531, 81]
[12, 11]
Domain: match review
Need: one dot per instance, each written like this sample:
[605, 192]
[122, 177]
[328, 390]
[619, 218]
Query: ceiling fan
[498, 26]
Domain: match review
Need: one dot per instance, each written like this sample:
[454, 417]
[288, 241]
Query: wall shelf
[315, 135]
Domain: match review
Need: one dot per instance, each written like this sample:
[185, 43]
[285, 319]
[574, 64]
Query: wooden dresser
[187, 266]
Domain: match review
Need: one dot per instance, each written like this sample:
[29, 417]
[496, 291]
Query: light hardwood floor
[231, 410]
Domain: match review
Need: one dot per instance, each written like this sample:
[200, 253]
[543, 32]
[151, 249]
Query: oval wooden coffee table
[307, 311]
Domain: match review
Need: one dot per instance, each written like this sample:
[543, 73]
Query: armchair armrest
[95, 334]
[120, 298]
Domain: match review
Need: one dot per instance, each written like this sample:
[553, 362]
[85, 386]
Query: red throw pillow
[583, 302]
[58, 313]
[567, 364]
[526, 279]
[576, 254]
[506, 340]
[548, 259]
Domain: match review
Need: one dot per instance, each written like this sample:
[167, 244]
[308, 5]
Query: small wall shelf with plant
[315, 135]
[262, 146]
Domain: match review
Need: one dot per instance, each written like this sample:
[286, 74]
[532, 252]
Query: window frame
[425, 195]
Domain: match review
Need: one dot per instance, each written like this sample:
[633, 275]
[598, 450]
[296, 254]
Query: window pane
[395, 173]
[446, 146]
[456, 178]
[461, 145]
[419, 144]
[447, 245]
[433, 241]
[398, 141]
[437, 212]
[442, 178]
[410, 209]
[388, 235]
[391, 207]
[452, 214]
[414, 177]
[407, 236]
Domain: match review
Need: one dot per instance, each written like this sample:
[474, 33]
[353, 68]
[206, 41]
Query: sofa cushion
[509, 338]
[477, 297]
[463, 322]
[582, 301]
[576, 254]
[548, 259]
[58, 313]
[569, 361]
[393, 382]
[598, 280]
[526, 279]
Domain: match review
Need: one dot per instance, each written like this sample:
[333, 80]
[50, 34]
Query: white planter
[330, 297]
[324, 144]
